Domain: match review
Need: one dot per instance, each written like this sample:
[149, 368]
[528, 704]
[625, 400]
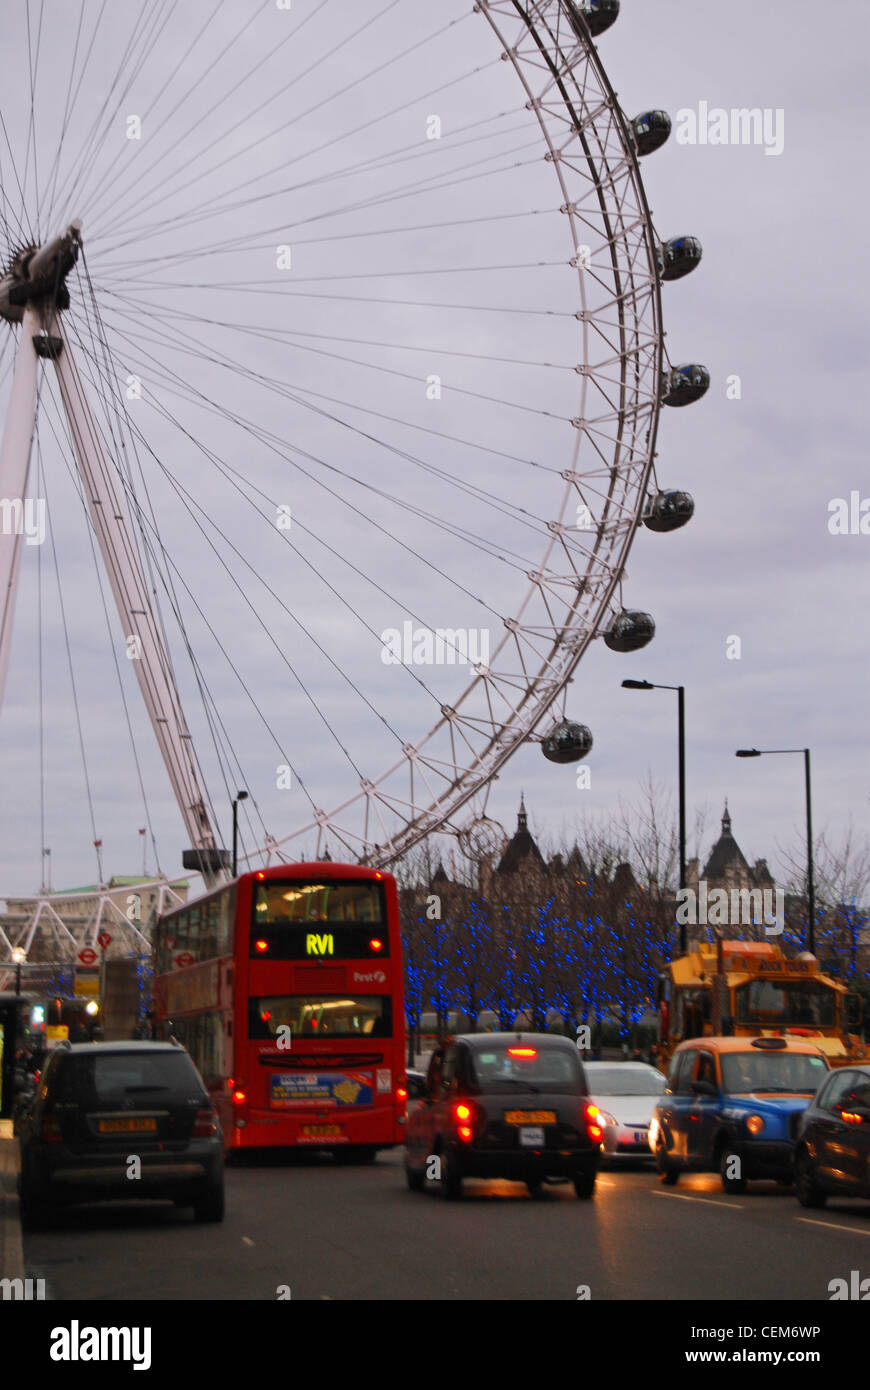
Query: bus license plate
[532, 1138]
[130, 1126]
[322, 1131]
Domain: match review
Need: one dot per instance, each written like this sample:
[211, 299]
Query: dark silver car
[123, 1120]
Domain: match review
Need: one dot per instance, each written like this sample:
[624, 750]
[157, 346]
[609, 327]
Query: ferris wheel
[349, 334]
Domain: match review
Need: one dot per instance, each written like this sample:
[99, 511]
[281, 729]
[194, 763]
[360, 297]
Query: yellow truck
[752, 989]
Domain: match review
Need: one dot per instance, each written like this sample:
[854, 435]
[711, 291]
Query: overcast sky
[312, 149]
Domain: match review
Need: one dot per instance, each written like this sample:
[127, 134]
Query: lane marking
[246, 1240]
[832, 1225]
[680, 1197]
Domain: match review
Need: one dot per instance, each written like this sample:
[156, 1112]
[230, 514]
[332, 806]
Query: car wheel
[415, 1178]
[210, 1206]
[808, 1193]
[34, 1215]
[584, 1184]
[451, 1179]
[727, 1159]
[670, 1175]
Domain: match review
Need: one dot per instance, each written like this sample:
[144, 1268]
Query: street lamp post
[811, 882]
[19, 956]
[681, 757]
[240, 796]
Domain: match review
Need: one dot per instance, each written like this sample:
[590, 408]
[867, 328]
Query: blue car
[734, 1106]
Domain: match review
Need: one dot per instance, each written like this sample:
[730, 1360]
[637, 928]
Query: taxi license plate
[128, 1126]
[530, 1117]
[532, 1138]
[322, 1131]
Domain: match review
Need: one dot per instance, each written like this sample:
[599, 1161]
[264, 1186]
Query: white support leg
[142, 636]
[14, 466]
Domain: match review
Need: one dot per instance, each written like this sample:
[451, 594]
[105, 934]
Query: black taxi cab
[507, 1105]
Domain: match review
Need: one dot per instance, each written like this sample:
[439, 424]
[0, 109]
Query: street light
[681, 754]
[240, 796]
[811, 883]
[19, 956]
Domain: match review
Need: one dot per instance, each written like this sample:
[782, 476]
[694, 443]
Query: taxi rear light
[594, 1123]
[50, 1132]
[204, 1125]
[463, 1118]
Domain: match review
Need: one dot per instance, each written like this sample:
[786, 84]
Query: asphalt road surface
[319, 1231]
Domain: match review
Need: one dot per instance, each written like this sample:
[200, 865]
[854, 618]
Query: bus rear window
[321, 1016]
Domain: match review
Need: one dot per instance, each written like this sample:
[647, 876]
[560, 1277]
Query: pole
[235, 835]
[14, 467]
[811, 884]
[681, 720]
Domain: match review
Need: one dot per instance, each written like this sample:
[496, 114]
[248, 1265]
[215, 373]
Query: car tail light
[463, 1116]
[239, 1097]
[204, 1125]
[594, 1123]
[50, 1133]
[850, 1117]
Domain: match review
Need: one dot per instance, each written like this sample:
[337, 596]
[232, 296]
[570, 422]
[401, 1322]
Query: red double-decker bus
[286, 988]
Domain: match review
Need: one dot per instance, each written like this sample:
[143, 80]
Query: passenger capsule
[679, 256]
[597, 14]
[650, 129]
[630, 632]
[668, 511]
[567, 743]
[685, 384]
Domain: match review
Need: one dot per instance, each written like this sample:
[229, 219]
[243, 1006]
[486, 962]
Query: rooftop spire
[522, 818]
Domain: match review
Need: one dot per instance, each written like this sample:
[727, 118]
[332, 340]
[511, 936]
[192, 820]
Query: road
[327, 1232]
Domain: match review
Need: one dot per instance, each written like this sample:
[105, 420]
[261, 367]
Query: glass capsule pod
[668, 511]
[650, 129]
[679, 256]
[685, 384]
[598, 15]
[567, 743]
[630, 631]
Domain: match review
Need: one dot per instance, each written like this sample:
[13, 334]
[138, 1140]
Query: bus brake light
[261, 945]
[239, 1097]
[375, 944]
